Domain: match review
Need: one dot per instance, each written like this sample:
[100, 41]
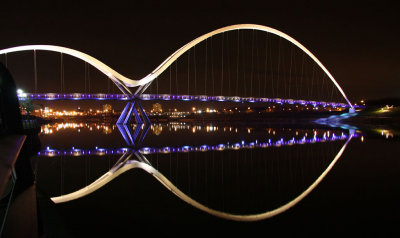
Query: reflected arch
[143, 164]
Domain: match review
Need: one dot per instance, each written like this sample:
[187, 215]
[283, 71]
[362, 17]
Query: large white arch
[164, 65]
[133, 164]
[118, 78]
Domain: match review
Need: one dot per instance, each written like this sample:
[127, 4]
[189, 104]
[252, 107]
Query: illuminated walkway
[168, 97]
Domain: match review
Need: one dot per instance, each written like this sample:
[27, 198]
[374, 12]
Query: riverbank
[376, 119]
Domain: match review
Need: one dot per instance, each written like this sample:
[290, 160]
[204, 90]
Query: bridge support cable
[244, 66]
[212, 67]
[61, 73]
[194, 64]
[296, 73]
[302, 72]
[237, 64]
[272, 70]
[157, 86]
[85, 77]
[88, 77]
[258, 66]
[35, 70]
[176, 76]
[62, 175]
[318, 85]
[252, 63]
[229, 66]
[284, 72]
[205, 70]
[290, 68]
[108, 86]
[170, 80]
[188, 74]
[222, 62]
[266, 64]
[279, 66]
[140, 89]
[312, 82]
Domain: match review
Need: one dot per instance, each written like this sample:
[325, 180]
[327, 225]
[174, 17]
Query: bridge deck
[170, 97]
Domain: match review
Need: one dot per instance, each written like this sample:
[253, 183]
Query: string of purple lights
[169, 97]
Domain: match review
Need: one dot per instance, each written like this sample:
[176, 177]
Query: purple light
[79, 96]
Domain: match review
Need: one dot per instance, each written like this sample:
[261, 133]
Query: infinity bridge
[218, 63]
[245, 63]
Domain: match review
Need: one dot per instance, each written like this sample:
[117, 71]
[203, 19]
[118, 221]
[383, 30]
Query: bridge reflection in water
[262, 174]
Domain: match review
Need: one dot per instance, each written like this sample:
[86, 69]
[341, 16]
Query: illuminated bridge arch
[172, 58]
[124, 82]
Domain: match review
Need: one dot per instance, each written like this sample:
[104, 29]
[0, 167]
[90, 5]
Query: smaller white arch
[116, 77]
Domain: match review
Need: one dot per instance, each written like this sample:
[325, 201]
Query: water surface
[230, 169]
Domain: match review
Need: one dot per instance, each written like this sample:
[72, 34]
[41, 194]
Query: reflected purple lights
[48, 152]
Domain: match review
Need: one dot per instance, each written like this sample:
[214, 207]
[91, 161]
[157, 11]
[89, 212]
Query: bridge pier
[133, 109]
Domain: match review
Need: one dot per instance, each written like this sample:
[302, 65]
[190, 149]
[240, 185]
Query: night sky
[358, 43]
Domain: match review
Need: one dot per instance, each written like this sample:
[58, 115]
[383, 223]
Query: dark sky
[358, 43]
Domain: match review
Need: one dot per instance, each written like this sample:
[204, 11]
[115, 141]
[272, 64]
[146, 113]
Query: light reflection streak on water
[157, 129]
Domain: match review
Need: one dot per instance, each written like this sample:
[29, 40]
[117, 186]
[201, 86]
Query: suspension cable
[188, 74]
[205, 78]
[194, 63]
[258, 66]
[176, 76]
[212, 69]
[272, 70]
[222, 62]
[302, 71]
[35, 69]
[279, 62]
[266, 64]
[85, 77]
[290, 70]
[237, 63]
[61, 72]
[229, 66]
[88, 76]
[244, 66]
[170, 81]
[252, 63]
